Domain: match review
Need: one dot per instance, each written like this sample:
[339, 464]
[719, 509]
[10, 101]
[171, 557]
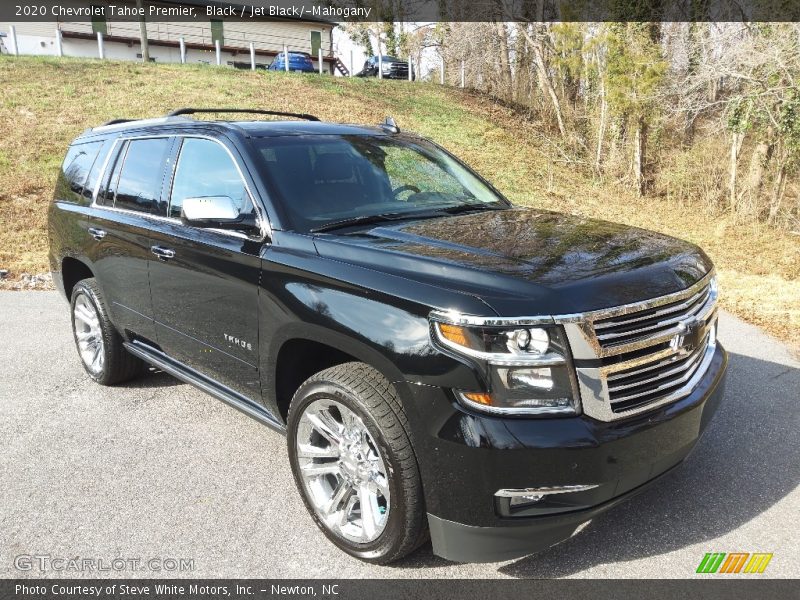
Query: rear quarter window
[139, 185]
[75, 170]
[134, 177]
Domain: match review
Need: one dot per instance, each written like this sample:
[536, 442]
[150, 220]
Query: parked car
[393, 68]
[443, 363]
[298, 61]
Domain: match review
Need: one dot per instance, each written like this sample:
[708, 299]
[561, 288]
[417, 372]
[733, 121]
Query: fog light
[540, 500]
[521, 500]
[536, 494]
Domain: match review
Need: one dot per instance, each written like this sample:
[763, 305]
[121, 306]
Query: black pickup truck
[443, 363]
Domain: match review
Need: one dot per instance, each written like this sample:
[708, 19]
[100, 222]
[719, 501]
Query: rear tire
[100, 346]
[349, 447]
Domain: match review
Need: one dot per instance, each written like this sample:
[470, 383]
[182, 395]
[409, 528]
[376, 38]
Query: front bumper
[473, 456]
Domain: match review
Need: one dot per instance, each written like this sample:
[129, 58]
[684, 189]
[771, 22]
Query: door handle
[96, 233]
[162, 253]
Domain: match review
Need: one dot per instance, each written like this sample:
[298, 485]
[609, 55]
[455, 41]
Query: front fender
[387, 332]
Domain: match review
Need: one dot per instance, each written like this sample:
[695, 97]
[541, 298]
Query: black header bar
[709, 588]
[406, 10]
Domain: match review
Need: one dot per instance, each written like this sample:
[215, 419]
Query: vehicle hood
[525, 262]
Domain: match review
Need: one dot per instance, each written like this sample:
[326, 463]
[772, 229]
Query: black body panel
[205, 303]
[623, 458]
[527, 262]
[120, 261]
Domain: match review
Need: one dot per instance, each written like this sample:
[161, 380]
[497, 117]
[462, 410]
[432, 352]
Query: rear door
[128, 203]
[205, 283]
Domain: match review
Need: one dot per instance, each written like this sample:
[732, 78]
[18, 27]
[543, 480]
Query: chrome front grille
[637, 386]
[627, 328]
[644, 355]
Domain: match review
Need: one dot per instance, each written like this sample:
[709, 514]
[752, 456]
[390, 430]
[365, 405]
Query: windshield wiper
[469, 206]
[362, 220]
[396, 216]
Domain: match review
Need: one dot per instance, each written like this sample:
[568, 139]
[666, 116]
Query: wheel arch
[72, 271]
[299, 354]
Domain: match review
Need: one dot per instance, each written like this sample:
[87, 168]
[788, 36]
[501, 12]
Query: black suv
[443, 363]
[387, 67]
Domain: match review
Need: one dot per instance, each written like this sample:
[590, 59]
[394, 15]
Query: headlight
[527, 367]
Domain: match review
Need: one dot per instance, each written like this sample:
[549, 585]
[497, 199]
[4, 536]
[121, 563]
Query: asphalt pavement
[156, 469]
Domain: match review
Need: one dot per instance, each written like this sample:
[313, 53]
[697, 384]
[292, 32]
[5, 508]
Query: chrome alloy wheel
[343, 472]
[88, 334]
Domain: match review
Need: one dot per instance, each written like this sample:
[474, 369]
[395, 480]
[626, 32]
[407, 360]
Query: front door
[204, 282]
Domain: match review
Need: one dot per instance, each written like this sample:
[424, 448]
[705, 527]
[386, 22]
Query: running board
[168, 365]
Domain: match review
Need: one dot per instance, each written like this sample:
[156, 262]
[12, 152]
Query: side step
[168, 365]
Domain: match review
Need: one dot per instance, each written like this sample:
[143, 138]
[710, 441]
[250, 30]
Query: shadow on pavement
[153, 378]
[745, 463]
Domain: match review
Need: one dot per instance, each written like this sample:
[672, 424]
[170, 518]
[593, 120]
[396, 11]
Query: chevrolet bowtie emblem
[690, 336]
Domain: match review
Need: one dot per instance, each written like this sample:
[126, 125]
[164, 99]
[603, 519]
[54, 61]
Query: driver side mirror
[216, 212]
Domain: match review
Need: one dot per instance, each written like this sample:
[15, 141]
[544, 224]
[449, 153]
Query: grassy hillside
[46, 102]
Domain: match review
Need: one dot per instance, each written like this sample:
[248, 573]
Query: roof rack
[191, 111]
[117, 121]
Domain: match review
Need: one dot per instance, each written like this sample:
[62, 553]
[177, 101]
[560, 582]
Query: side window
[106, 195]
[74, 170]
[141, 176]
[206, 169]
[94, 173]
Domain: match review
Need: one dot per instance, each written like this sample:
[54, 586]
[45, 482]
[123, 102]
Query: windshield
[326, 179]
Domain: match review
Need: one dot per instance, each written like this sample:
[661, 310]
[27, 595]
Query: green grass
[46, 102]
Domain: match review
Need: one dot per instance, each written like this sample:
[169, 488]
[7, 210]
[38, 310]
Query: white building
[121, 39]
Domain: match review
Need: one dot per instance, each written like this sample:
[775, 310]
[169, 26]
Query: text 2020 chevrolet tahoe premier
[443, 363]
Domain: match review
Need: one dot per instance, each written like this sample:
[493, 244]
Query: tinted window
[94, 173]
[106, 195]
[206, 169]
[76, 166]
[139, 185]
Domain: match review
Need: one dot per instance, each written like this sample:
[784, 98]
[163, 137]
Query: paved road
[157, 469]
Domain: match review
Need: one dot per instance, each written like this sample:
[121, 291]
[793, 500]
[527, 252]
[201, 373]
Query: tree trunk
[505, 61]
[544, 78]
[736, 145]
[601, 128]
[778, 188]
[639, 148]
[755, 179]
[522, 70]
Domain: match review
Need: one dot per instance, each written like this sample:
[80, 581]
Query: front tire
[99, 345]
[353, 463]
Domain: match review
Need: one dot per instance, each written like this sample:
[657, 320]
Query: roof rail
[117, 121]
[191, 111]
